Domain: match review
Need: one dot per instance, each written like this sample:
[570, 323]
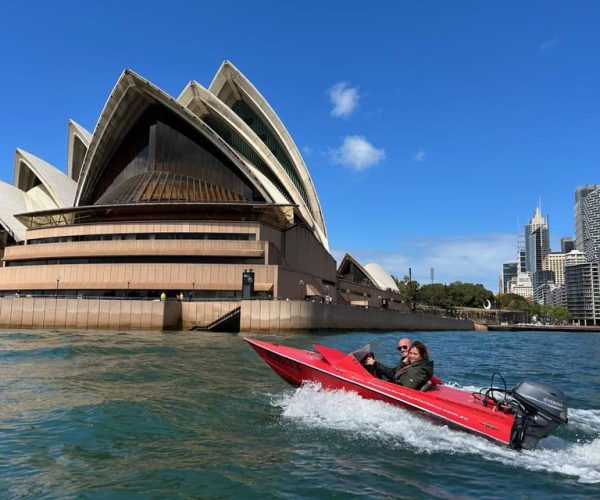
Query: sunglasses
[402, 347]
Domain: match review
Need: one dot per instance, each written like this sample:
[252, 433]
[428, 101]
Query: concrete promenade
[256, 316]
[543, 328]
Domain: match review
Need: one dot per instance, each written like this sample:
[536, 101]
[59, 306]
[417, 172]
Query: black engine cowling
[539, 409]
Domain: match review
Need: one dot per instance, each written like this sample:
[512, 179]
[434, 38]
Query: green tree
[469, 294]
[436, 295]
[560, 315]
[550, 314]
[409, 290]
[541, 311]
[513, 302]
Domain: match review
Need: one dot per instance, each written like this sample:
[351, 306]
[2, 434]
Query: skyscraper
[522, 260]
[587, 221]
[522, 286]
[537, 246]
[555, 262]
[566, 244]
[582, 283]
[509, 271]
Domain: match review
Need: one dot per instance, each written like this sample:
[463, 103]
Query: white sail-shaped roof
[78, 142]
[262, 156]
[14, 201]
[211, 109]
[131, 96]
[375, 273]
[230, 85]
[37, 186]
[381, 277]
[31, 171]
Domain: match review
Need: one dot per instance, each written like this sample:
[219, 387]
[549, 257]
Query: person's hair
[422, 348]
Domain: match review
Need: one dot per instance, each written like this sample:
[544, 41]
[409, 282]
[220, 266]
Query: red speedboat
[518, 418]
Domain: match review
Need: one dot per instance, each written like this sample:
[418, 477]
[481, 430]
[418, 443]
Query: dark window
[146, 236]
[146, 259]
[266, 135]
[162, 159]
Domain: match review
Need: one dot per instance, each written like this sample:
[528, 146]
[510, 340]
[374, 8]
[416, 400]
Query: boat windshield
[361, 353]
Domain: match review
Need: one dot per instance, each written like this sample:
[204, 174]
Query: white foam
[346, 411]
[586, 420]
[572, 459]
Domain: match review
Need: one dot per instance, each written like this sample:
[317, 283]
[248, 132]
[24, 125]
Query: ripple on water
[161, 414]
[314, 408]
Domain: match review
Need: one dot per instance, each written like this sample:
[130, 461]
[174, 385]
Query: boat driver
[403, 346]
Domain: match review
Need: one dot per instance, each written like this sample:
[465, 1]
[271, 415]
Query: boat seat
[426, 386]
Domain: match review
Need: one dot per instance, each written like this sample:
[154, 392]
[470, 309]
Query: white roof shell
[202, 102]
[374, 272]
[77, 135]
[37, 186]
[14, 201]
[60, 187]
[230, 80]
[381, 277]
[40, 186]
[130, 97]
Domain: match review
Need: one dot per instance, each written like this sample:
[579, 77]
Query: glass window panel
[164, 160]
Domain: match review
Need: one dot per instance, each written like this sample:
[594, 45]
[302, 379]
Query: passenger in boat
[403, 346]
[414, 375]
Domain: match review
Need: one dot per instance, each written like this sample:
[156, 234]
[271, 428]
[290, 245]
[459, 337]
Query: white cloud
[420, 156]
[343, 98]
[548, 44]
[357, 153]
[470, 259]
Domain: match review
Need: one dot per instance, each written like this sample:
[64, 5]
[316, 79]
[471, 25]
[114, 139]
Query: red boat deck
[335, 370]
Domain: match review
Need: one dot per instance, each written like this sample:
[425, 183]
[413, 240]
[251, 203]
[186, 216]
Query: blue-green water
[186, 415]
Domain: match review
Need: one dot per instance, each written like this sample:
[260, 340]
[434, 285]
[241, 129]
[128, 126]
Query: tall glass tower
[537, 245]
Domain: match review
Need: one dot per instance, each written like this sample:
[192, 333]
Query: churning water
[184, 415]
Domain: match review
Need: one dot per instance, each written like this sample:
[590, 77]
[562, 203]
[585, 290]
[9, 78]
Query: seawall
[256, 316]
[270, 316]
[92, 314]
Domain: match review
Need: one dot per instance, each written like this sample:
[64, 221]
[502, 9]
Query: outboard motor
[539, 408]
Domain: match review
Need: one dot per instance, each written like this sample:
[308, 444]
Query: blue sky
[430, 128]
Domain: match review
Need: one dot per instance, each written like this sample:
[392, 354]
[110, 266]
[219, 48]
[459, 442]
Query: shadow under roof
[277, 215]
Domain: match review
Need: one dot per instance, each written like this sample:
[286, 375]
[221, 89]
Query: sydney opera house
[204, 196]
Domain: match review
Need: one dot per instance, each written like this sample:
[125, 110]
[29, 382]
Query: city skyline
[445, 126]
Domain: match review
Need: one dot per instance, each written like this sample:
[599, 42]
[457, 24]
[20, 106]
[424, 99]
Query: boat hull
[334, 370]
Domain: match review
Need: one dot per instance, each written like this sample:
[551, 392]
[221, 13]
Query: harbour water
[186, 415]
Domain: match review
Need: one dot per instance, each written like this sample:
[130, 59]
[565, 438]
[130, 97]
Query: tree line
[458, 294]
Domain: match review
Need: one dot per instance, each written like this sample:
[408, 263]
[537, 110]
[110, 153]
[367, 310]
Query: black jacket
[414, 375]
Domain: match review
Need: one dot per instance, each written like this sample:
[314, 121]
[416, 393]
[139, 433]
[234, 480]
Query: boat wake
[586, 420]
[396, 427]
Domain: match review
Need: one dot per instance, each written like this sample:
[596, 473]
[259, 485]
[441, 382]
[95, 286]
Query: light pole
[301, 284]
[327, 296]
